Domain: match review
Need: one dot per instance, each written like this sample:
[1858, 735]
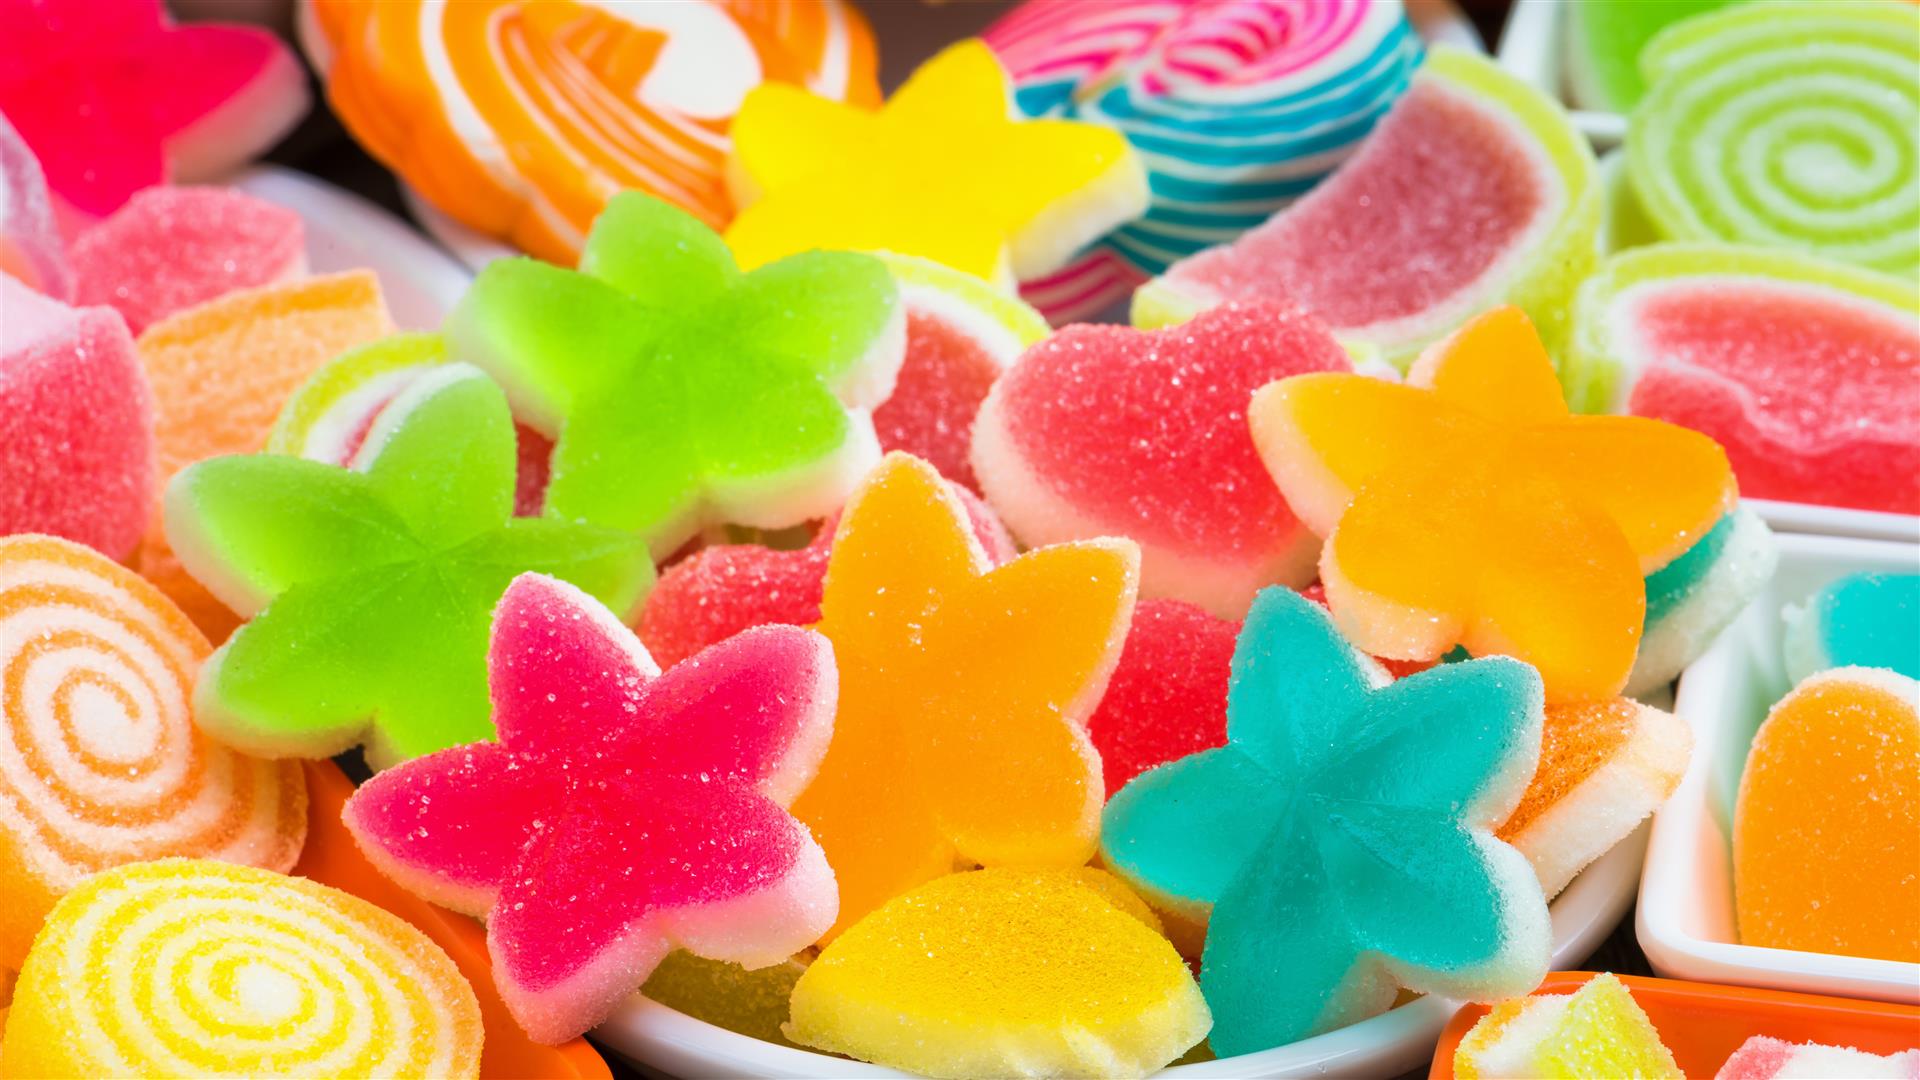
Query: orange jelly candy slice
[1470, 507]
[220, 373]
[1826, 832]
[963, 693]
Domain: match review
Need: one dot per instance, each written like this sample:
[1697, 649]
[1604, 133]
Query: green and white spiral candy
[1792, 125]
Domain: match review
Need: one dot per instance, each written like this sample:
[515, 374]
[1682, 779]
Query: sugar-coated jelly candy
[1110, 431]
[1697, 595]
[1168, 694]
[1475, 190]
[185, 968]
[1800, 366]
[369, 588]
[1004, 972]
[1603, 44]
[1598, 1030]
[964, 688]
[76, 423]
[1826, 828]
[171, 248]
[624, 811]
[100, 763]
[1764, 1058]
[1860, 620]
[115, 97]
[680, 392]
[944, 170]
[1470, 507]
[1341, 845]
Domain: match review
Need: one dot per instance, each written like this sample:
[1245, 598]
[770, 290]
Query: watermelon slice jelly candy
[961, 334]
[30, 245]
[1469, 507]
[1340, 845]
[679, 391]
[76, 423]
[623, 812]
[722, 589]
[1861, 620]
[1109, 431]
[114, 98]
[1803, 369]
[171, 248]
[963, 690]
[370, 587]
[1474, 190]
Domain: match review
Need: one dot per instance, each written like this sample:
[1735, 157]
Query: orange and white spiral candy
[186, 967]
[520, 118]
[100, 763]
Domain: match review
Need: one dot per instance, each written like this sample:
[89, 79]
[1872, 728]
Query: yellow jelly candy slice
[1002, 973]
[190, 968]
[942, 171]
[1470, 507]
[1599, 1030]
[1826, 831]
[963, 692]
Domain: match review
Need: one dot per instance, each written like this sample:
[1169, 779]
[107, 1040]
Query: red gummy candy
[76, 424]
[944, 378]
[1168, 694]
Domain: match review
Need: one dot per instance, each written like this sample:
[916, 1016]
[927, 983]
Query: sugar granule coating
[1168, 694]
[1110, 431]
[76, 424]
[1826, 829]
[945, 377]
[1598, 1030]
[170, 248]
[624, 811]
[1003, 973]
[221, 970]
[1763, 1058]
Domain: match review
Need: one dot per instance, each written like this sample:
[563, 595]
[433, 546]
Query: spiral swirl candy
[99, 762]
[522, 119]
[1792, 125]
[185, 967]
[1237, 107]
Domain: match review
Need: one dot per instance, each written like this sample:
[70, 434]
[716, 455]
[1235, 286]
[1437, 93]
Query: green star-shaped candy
[371, 588]
[679, 391]
[1341, 844]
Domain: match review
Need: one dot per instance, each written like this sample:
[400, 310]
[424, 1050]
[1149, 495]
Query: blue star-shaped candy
[1341, 843]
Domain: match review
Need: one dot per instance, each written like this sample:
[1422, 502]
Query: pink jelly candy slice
[30, 246]
[171, 248]
[718, 591]
[113, 98]
[1812, 394]
[1168, 694]
[1109, 431]
[76, 423]
[944, 378]
[624, 811]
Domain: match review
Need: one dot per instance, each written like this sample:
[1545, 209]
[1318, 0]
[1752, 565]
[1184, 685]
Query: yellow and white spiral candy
[187, 967]
[100, 763]
[1791, 125]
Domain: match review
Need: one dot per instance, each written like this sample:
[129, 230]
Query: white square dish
[1685, 921]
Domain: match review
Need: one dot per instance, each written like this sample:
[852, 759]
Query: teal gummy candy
[679, 391]
[1341, 843]
[1861, 620]
[1693, 598]
[374, 586]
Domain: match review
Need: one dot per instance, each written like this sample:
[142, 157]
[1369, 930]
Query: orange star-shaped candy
[963, 690]
[942, 171]
[1470, 507]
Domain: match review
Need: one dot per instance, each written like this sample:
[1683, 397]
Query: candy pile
[748, 600]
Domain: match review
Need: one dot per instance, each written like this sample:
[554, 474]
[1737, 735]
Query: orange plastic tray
[332, 858]
[1703, 1024]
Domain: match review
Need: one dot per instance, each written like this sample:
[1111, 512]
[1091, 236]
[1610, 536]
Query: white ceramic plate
[657, 1037]
[1531, 47]
[1685, 921]
[421, 282]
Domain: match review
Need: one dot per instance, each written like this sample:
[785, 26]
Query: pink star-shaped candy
[624, 812]
[113, 97]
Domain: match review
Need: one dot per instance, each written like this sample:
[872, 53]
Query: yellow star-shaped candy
[963, 689]
[943, 170]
